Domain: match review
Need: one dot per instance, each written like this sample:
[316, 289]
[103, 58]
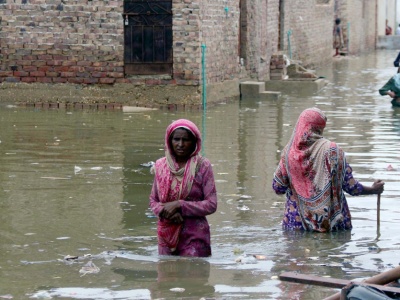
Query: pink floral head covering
[185, 124]
[304, 152]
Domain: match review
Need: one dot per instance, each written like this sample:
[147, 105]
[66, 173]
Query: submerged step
[270, 95]
[251, 88]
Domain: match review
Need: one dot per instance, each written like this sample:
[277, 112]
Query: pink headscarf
[175, 183]
[304, 153]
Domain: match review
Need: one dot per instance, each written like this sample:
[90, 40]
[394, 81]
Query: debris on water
[63, 238]
[96, 168]
[77, 169]
[274, 277]
[70, 257]
[89, 268]
[150, 215]
[246, 259]
[390, 168]
[220, 181]
[177, 289]
[374, 249]
[260, 257]
[76, 257]
[148, 164]
[41, 295]
[55, 178]
[243, 208]
[237, 251]
[115, 168]
[313, 258]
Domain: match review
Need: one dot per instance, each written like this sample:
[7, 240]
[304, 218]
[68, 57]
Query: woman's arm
[355, 188]
[387, 89]
[155, 204]
[205, 206]
[280, 182]
[397, 60]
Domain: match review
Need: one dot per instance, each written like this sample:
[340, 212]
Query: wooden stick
[378, 211]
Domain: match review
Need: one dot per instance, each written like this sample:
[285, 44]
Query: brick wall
[70, 41]
[82, 41]
[219, 32]
[266, 27]
[311, 26]
[359, 24]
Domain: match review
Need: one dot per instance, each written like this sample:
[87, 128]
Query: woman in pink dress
[183, 193]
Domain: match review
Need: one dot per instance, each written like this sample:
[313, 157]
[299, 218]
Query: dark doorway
[148, 37]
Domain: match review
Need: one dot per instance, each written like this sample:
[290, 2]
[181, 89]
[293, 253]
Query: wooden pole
[378, 211]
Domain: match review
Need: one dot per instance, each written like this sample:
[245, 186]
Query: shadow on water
[76, 183]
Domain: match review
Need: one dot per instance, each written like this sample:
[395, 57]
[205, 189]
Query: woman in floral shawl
[183, 193]
[314, 174]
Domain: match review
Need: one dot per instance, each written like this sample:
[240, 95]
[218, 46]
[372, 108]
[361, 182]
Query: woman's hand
[177, 218]
[377, 187]
[170, 209]
[391, 94]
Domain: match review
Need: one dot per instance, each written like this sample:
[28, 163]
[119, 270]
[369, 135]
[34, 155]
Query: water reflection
[73, 183]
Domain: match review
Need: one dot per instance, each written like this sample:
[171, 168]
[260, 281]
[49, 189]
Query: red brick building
[161, 48]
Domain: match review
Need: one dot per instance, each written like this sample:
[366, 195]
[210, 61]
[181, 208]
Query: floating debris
[244, 208]
[260, 257]
[55, 178]
[76, 257]
[96, 168]
[177, 289]
[89, 268]
[390, 168]
[246, 259]
[115, 168]
[237, 251]
[148, 164]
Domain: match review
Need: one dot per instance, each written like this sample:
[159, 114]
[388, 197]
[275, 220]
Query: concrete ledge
[389, 42]
[134, 109]
[251, 89]
[270, 95]
[299, 85]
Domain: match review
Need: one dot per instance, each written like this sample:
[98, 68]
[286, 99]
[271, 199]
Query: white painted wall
[388, 10]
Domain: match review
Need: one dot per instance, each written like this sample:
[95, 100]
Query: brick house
[156, 51]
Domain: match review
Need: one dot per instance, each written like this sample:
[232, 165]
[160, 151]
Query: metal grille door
[148, 37]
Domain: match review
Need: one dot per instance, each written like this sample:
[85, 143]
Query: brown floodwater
[74, 190]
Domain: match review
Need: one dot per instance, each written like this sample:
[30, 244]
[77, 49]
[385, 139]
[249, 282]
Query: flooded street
[75, 190]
